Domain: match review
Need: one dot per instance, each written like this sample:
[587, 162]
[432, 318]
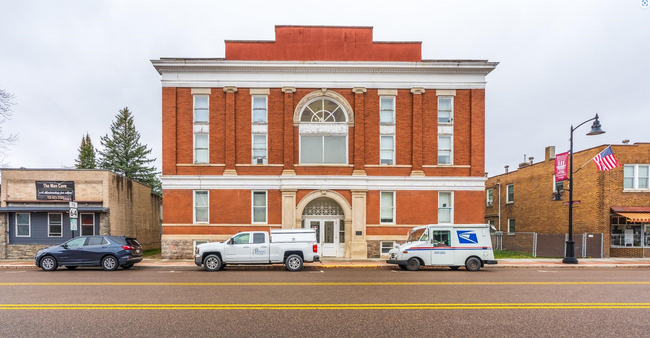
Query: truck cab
[453, 245]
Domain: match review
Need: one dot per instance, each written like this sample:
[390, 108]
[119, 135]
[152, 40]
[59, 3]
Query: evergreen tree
[86, 159]
[124, 154]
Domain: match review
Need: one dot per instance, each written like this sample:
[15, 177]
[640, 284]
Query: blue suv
[109, 252]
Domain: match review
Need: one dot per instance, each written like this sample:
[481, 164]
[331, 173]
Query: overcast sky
[73, 64]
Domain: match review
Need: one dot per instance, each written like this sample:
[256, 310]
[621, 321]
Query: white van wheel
[473, 264]
[413, 264]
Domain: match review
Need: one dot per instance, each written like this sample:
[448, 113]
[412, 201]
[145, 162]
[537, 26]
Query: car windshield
[415, 235]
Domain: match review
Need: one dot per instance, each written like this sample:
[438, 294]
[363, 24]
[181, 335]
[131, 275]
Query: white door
[329, 235]
[238, 249]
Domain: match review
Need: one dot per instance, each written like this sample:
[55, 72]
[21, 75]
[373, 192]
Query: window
[258, 238]
[23, 225]
[259, 206]
[490, 197]
[385, 247]
[511, 225]
[87, 224]
[201, 148]
[323, 133]
[260, 109]
[54, 225]
[445, 109]
[198, 242]
[636, 176]
[201, 111]
[387, 110]
[387, 207]
[444, 149]
[201, 206]
[444, 207]
[323, 149]
[259, 149]
[241, 239]
[95, 241]
[387, 150]
[76, 242]
[510, 190]
[440, 238]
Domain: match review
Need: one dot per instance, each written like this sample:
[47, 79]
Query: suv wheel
[110, 263]
[49, 263]
[293, 263]
[212, 263]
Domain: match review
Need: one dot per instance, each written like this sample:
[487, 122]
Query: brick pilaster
[169, 124]
[288, 130]
[477, 132]
[230, 130]
[359, 132]
[417, 132]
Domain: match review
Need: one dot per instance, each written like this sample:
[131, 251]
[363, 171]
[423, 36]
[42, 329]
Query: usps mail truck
[452, 245]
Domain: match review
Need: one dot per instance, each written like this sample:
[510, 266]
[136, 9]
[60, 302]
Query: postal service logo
[644, 3]
[467, 237]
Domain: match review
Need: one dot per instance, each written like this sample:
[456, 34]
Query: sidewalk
[340, 263]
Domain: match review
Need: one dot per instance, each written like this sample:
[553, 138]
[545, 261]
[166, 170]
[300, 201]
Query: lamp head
[595, 128]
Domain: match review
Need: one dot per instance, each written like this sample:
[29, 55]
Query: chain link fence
[586, 245]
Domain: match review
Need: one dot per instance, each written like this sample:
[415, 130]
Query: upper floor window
[490, 197]
[259, 149]
[636, 176]
[445, 109]
[260, 109]
[445, 209]
[387, 110]
[323, 133]
[201, 148]
[387, 151]
[510, 192]
[201, 111]
[444, 149]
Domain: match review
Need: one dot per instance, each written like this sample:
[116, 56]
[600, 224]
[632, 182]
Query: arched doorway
[326, 216]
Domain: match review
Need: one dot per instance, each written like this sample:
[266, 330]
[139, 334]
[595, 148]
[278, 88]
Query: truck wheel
[473, 264]
[212, 263]
[413, 264]
[293, 263]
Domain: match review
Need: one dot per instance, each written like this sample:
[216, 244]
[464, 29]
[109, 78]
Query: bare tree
[5, 114]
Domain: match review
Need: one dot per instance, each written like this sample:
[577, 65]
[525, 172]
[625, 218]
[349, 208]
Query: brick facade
[415, 176]
[534, 209]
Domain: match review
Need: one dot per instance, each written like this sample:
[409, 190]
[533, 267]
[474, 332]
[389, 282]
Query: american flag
[606, 160]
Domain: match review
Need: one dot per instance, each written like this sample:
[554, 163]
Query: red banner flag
[561, 167]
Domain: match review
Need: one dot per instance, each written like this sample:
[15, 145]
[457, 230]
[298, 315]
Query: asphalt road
[346, 302]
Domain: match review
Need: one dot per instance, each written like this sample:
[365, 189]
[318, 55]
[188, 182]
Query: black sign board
[55, 190]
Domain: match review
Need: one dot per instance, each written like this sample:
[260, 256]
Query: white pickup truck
[291, 247]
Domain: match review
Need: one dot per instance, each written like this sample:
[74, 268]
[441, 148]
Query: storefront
[630, 231]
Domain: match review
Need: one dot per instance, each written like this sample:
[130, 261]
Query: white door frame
[339, 250]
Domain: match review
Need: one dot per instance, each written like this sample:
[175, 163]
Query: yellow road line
[324, 306]
[316, 284]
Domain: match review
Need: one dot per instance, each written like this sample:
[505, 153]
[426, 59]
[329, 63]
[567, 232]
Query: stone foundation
[3, 236]
[24, 251]
[374, 248]
[177, 249]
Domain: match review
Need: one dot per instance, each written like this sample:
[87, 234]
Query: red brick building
[614, 203]
[322, 128]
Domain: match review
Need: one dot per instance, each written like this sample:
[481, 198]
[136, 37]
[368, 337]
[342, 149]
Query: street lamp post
[570, 257]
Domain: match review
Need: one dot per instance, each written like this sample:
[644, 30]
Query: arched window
[323, 132]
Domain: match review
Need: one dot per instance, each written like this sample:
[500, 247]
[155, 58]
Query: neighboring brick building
[321, 128]
[615, 203]
[34, 209]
